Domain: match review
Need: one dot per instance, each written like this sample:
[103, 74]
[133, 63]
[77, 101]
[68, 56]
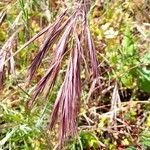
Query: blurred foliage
[121, 34]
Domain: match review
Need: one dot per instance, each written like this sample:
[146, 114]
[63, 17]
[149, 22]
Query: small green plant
[145, 138]
[20, 130]
[86, 140]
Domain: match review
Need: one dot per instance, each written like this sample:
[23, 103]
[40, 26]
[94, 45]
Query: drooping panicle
[66, 106]
[74, 40]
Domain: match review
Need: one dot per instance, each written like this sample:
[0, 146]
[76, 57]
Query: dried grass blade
[115, 102]
[2, 16]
